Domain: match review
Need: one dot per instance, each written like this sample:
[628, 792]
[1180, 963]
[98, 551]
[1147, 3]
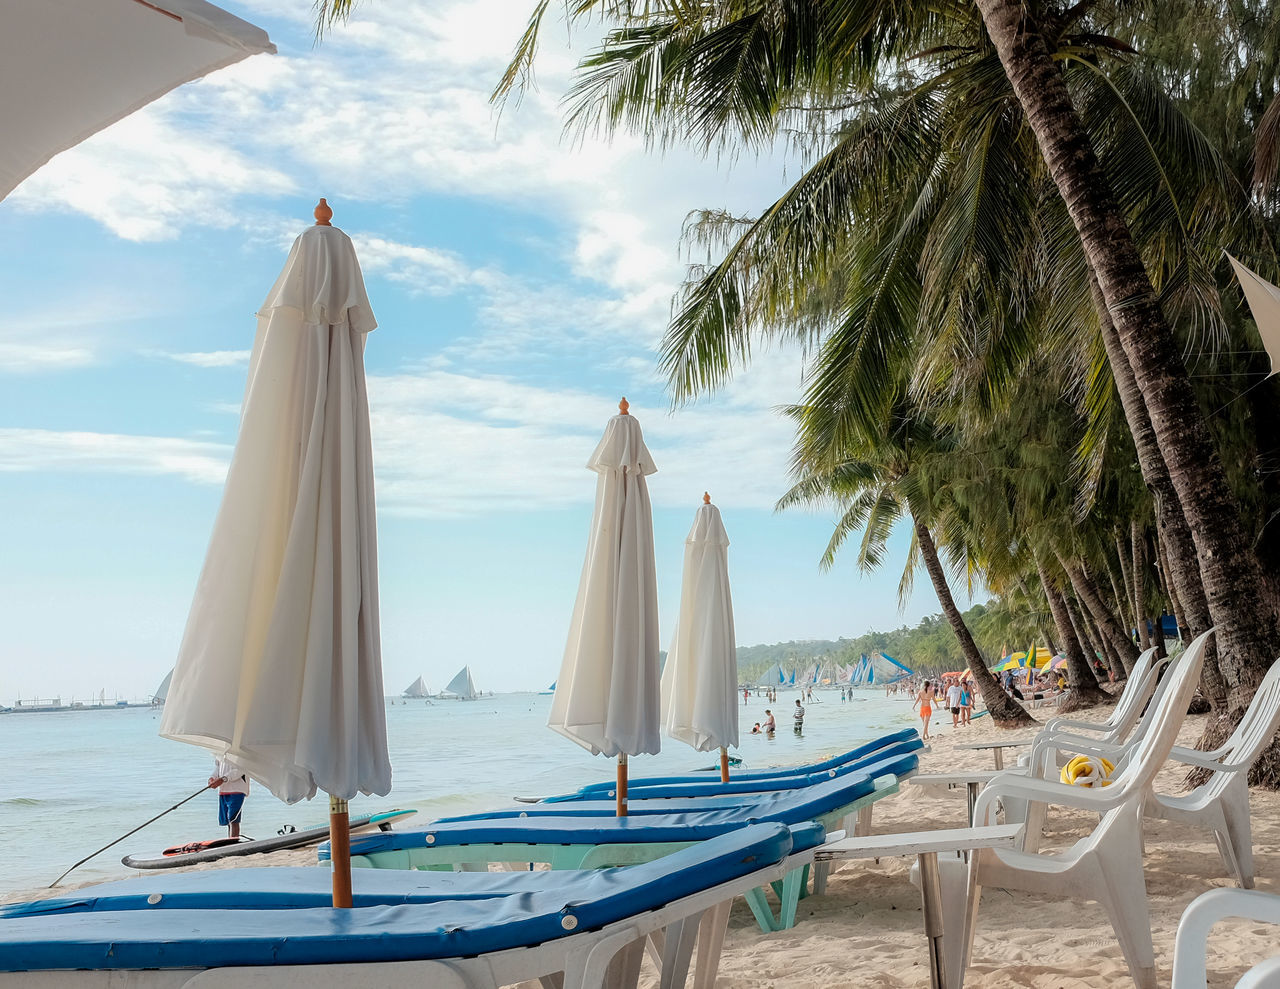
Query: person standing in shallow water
[798, 716]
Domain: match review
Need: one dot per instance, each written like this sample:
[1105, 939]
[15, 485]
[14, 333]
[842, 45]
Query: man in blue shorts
[233, 787]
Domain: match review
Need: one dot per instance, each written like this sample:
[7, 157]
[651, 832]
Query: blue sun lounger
[592, 840]
[703, 787]
[248, 928]
[864, 752]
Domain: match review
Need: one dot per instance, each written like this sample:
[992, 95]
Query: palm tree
[745, 64]
[875, 481]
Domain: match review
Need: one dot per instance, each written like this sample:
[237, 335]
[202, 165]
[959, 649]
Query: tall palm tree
[875, 481]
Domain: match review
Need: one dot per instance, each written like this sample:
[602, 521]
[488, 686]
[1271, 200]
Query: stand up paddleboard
[211, 851]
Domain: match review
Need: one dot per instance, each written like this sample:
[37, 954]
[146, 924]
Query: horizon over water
[73, 781]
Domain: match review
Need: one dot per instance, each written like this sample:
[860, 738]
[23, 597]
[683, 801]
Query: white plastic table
[997, 748]
[926, 845]
[972, 782]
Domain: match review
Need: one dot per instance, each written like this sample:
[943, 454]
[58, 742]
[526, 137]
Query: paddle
[207, 786]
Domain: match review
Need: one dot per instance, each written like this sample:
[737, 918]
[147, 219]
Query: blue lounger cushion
[713, 788]
[756, 804]
[808, 804]
[208, 938]
[307, 886]
[594, 791]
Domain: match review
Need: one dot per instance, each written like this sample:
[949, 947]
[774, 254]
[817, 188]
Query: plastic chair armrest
[1044, 792]
[1206, 760]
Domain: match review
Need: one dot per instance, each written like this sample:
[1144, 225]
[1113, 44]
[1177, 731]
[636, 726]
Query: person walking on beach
[924, 700]
[953, 702]
[233, 787]
[798, 716]
[966, 703]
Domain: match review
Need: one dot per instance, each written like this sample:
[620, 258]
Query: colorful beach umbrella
[81, 65]
[280, 666]
[607, 694]
[700, 679]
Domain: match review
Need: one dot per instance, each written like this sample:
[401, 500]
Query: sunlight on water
[72, 781]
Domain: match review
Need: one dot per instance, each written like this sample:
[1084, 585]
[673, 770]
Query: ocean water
[72, 781]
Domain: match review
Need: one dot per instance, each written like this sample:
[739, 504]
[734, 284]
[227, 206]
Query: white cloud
[211, 358]
[49, 450]
[20, 358]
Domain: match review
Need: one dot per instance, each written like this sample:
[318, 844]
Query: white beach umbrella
[1264, 302]
[68, 68]
[606, 696]
[700, 680]
[280, 666]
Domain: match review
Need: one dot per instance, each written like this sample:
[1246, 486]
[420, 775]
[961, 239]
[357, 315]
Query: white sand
[866, 931]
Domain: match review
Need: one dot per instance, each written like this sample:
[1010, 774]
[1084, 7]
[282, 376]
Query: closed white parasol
[606, 696]
[71, 67]
[280, 665]
[700, 679]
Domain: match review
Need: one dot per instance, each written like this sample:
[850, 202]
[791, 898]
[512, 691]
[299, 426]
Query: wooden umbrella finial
[323, 214]
[623, 406]
[706, 498]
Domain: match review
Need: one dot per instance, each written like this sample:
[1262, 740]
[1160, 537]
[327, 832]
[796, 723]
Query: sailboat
[549, 690]
[416, 689]
[462, 686]
[162, 691]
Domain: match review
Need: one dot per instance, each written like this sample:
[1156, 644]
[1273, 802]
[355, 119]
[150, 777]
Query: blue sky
[521, 282]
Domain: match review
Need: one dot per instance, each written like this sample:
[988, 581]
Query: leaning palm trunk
[1108, 625]
[1083, 635]
[1248, 634]
[1139, 543]
[1082, 685]
[1005, 711]
[1182, 568]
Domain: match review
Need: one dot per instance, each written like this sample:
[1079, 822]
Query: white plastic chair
[1221, 803]
[1106, 865]
[1116, 729]
[1190, 948]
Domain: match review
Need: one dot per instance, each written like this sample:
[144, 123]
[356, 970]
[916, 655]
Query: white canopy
[71, 67]
[700, 680]
[606, 697]
[1264, 303]
[280, 666]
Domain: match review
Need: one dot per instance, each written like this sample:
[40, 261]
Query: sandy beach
[866, 930]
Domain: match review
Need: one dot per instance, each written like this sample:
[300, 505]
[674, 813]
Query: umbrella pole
[724, 764]
[340, 851]
[622, 785]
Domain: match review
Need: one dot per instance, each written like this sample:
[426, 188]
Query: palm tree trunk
[1108, 624]
[1181, 565]
[1082, 686]
[1005, 711]
[1139, 545]
[1248, 632]
[1082, 636]
[1124, 554]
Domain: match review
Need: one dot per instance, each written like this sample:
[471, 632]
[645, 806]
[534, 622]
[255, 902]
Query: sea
[72, 781]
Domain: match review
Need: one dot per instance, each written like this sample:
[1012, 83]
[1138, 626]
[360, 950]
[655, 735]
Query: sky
[522, 281]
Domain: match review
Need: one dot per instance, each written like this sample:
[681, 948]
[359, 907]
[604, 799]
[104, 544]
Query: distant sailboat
[162, 691]
[549, 690]
[462, 686]
[416, 689]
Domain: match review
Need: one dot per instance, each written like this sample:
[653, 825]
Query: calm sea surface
[72, 781]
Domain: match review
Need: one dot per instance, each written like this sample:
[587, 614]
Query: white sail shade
[700, 679]
[1264, 302]
[280, 665]
[607, 694]
[72, 67]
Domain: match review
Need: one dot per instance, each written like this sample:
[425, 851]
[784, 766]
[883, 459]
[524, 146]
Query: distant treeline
[929, 647]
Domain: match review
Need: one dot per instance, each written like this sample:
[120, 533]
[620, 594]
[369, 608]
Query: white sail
[162, 691]
[417, 689]
[462, 685]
